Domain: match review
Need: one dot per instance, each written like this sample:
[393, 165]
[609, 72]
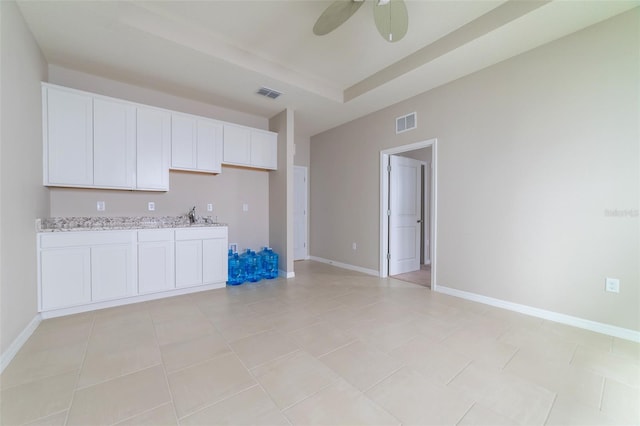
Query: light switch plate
[209, 207]
[151, 206]
[245, 207]
[100, 205]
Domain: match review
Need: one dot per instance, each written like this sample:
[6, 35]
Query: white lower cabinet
[155, 261]
[201, 256]
[112, 272]
[188, 263]
[214, 260]
[65, 277]
[79, 271]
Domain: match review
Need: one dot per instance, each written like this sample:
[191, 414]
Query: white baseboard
[346, 266]
[285, 274]
[598, 327]
[19, 341]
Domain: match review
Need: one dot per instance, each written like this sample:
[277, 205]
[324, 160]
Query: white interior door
[299, 213]
[404, 217]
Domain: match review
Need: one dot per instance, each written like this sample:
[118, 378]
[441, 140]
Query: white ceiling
[221, 52]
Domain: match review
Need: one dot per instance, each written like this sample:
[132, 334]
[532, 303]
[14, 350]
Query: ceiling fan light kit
[390, 16]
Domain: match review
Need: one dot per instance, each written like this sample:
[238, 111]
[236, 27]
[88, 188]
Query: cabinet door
[153, 149]
[214, 260]
[264, 149]
[188, 263]
[155, 266]
[183, 142]
[65, 277]
[112, 274]
[237, 145]
[68, 137]
[209, 146]
[114, 144]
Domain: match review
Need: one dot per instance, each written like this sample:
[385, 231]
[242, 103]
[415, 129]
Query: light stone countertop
[99, 223]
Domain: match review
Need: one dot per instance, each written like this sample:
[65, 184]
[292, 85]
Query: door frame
[306, 216]
[384, 203]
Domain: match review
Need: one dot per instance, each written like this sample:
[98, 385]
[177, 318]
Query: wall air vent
[406, 123]
[269, 93]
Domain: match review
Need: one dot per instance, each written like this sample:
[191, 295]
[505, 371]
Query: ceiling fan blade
[392, 19]
[335, 15]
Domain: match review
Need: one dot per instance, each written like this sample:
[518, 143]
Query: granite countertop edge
[121, 223]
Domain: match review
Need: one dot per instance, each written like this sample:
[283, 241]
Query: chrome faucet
[192, 215]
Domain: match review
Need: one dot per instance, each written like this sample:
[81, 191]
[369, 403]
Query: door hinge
[389, 168]
[388, 212]
[388, 256]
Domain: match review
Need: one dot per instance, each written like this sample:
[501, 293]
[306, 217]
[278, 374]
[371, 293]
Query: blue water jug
[235, 276]
[272, 269]
[251, 267]
[263, 262]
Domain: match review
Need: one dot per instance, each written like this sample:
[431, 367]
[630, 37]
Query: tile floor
[329, 347]
[421, 277]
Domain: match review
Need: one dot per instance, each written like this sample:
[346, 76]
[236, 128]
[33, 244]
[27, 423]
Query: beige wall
[227, 191]
[532, 153]
[22, 197]
[281, 192]
[103, 86]
[302, 150]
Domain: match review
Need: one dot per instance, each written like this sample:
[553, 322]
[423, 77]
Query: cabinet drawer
[155, 235]
[201, 233]
[89, 238]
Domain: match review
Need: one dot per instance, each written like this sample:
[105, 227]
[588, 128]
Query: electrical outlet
[209, 207]
[100, 205]
[354, 246]
[612, 285]
[151, 206]
[245, 207]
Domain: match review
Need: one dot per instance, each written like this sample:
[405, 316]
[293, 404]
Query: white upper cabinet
[93, 141]
[237, 145]
[248, 147]
[153, 149]
[209, 146]
[114, 144]
[68, 137]
[196, 143]
[264, 149]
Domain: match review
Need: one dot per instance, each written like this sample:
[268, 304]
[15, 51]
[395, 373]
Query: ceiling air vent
[269, 93]
[406, 123]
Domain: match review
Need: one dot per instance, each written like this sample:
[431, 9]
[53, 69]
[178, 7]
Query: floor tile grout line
[166, 375]
[323, 387]
[276, 359]
[473, 404]
[195, 364]
[602, 388]
[384, 378]
[144, 412]
[226, 398]
[120, 376]
[257, 381]
[511, 358]
[84, 357]
[65, 410]
[351, 342]
[555, 398]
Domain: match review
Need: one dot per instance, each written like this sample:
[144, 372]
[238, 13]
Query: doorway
[421, 211]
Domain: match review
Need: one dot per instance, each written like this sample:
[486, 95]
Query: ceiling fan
[390, 16]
